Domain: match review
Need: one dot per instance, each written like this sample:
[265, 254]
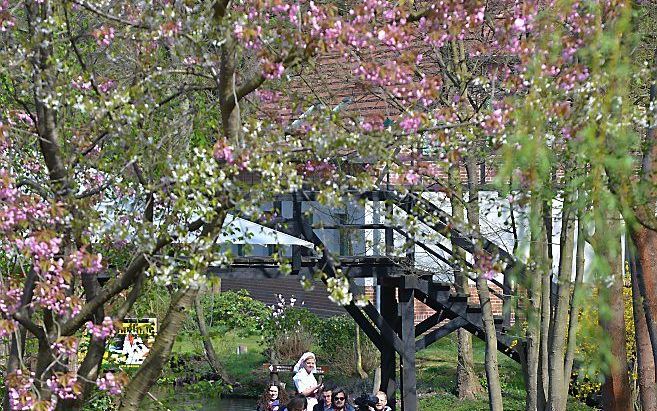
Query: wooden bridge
[392, 328]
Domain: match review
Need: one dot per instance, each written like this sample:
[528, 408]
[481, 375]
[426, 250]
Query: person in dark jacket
[272, 399]
[340, 401]
[325, 399]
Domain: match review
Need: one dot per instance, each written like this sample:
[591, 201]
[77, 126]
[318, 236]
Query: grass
[436, 372]
[437, 380]
[247, 369]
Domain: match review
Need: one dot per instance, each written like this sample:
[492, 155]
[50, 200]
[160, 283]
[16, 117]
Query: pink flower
[412, 177]
[103, 330]
[223, 151]
[111, 383]
[410, 124]
[104, 35]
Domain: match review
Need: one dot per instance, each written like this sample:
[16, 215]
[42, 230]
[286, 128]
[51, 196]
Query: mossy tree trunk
[467, 383]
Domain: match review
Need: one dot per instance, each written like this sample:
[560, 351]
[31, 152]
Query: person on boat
[339, 401]
[324, 403]
[382, 404]
[298, 403]
[272, 399]
[304, 379]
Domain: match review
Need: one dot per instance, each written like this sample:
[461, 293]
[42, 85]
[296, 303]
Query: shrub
[235, 310]
[290, 345]
[336, 339]
[285, 318]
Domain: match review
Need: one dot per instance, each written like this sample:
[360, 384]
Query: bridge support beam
[389, 312]
[408, 373]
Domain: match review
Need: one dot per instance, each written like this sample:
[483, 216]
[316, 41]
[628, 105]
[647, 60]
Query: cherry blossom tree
[130, 129]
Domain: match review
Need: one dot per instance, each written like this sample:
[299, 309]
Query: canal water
[183, 402]
[220, 404]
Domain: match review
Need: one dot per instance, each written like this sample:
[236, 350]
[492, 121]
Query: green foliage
[100, 401]
[235, 310]
[336, 331]
[289, 320]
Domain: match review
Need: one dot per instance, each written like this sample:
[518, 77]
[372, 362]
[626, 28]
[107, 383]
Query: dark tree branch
[34, 185]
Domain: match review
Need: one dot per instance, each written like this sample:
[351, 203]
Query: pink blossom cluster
[268, 96]
[51, 289]
[10, 298]
[23, 209]
[572, 76]
[6, 18]
[84, 262]
[496, 121]
[81, 84]
[20, 386]
[272, 70]
[451, 20]
[410, 123]
[111, 383]
[64, 385]
[412, 177]
[226, 152]
[318, 169]
[103, 330]
[106, 86]
[104, 35]
[485, 266]
[65, 346]
[24, 117]
[39, 246]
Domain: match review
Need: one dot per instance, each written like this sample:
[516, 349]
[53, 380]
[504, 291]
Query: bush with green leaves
[236, 310]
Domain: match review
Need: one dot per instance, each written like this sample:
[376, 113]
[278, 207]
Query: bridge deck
[253, 267]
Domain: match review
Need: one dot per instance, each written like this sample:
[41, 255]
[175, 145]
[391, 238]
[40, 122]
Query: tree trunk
[546, 312]
[534, 285]
[558, 389]
[490, 362]
[616, 388]
[467, 383]
[358, 352]
[645, 241]
[150, 370]
[210, 353]
[644, 354]
[575, 304]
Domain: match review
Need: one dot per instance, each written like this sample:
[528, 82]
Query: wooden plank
[365, 325]
[429, 322]
[386, 330]
[439, 333]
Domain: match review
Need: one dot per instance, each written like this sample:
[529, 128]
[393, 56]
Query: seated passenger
[272, 399]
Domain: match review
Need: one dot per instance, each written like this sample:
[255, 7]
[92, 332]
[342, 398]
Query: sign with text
[131, 343]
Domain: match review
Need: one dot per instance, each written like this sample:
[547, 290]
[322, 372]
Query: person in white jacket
[304, 379]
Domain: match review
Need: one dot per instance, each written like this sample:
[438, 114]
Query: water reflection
[222, 404]
[183, 401]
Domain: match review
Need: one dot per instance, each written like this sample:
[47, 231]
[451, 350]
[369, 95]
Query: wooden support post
[388, 357]
[409, 380]
[388, 232]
